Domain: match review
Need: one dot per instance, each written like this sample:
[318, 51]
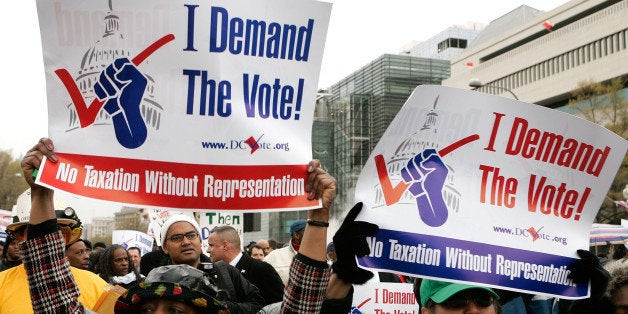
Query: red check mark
[87, 114]
[393, 194]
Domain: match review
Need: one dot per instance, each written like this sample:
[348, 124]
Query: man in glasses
[181, 240]
[438, 297]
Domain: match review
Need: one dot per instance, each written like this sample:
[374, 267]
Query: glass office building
[360, 108]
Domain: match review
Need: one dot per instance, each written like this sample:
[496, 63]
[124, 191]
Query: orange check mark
[393, 194]
[87, 114]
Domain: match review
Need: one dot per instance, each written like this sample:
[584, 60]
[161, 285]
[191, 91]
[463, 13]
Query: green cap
[439, 291]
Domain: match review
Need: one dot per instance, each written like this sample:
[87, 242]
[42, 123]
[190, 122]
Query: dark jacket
[262, 275]
[6, 264]
[242, 296]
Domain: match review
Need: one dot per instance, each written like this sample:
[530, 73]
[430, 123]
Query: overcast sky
[359, 31]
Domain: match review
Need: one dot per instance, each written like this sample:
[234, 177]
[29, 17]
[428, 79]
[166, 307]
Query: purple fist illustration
[121, 86]
[426, 174]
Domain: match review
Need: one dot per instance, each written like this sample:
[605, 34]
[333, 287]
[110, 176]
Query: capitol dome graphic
[417, 142]
[96, 59]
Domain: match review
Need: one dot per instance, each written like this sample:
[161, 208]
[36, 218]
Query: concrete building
[542, 56]
[447, 44]
[100, 227]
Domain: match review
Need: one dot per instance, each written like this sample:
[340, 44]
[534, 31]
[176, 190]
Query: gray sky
[359, 31]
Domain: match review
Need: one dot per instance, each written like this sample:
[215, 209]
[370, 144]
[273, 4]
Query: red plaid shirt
[305, 291]
[50, 280]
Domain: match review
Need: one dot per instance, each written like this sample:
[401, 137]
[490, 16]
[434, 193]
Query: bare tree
[604, 104]
[11, 182]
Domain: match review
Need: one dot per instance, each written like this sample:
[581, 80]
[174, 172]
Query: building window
[252, 222]
[452, 43]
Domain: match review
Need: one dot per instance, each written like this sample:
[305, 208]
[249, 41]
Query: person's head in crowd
[78, 254]
[180, 238]
[69, 224]
[617, 289]
[331, 252]
[99, 246]
[94, 258]
[439, 297]
[264, 245]
[136, 256]
[75, 249]
[115, 267]
[171, 289]
[88, 245]
[12, 251]
[296, 231]
[113, 262]
[620, 252]
[273, 244]
[257, 252]
[224, 244]
[2, 243]
[248, 247]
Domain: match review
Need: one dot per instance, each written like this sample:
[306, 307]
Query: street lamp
[476, 84]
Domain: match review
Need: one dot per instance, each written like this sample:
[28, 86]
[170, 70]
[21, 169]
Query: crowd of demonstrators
[224, 245]
[115, 267]
[180, 234]
[281, 259]
[313, 286]
[78, 254]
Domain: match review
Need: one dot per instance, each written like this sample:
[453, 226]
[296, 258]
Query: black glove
[349, 242]
[588, 267]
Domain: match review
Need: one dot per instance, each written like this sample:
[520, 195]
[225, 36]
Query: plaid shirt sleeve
[50, 280]
[305, 291]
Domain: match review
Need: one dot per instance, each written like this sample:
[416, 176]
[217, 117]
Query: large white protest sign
[467, 186]
[171, 104]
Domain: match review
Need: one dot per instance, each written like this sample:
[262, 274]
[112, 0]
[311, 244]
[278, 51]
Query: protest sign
[471, 187]
[384, 298]
[133, 238]
[210, 220]
[169, 104]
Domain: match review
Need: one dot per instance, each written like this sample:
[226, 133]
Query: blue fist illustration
[354, 310]
[121, 86]
[426, 174]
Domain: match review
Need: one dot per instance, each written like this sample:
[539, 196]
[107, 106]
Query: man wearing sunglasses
[181, 240]
[438, 297]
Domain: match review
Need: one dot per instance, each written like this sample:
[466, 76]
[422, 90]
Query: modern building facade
[542, 56]
[360, 108]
